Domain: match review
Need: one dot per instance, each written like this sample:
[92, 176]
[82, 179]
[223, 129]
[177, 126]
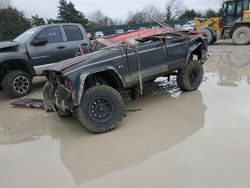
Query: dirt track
[195, 140]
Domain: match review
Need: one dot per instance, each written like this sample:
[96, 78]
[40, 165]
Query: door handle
[84, 44]
[60, 47]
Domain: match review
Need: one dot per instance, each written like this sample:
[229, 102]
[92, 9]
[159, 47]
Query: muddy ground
[195, 140]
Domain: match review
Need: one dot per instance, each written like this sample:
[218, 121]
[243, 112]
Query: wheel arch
[196, 49]
[86, 80]
[15, 64]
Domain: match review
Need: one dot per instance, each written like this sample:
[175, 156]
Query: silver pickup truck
[35, 50]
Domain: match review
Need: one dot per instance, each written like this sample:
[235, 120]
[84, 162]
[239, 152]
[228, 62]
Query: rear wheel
[101, 110]
[210, 37]
[241, 36]
[190, 77]
[17, 83]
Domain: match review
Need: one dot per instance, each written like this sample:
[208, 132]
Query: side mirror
[39, 41]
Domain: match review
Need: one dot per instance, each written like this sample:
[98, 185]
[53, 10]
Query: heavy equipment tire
[190, 77]
[241, 36]
[209, 35]
[17, 83]
[101, 110]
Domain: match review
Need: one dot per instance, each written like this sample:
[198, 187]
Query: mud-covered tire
[241, 36]
[101, 109]
[190, 77]
[13, 79]
[210, 37]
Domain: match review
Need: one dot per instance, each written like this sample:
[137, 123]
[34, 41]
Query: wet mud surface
[168, 138]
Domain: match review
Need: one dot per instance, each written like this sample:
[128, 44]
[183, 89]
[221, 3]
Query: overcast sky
[112, 8]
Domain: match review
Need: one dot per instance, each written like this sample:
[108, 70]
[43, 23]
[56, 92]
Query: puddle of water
[65, 152]
[231, 69]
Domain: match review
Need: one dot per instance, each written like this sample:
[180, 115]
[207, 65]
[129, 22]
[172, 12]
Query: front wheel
[101, 110]
[190, 77]
[241, 36]
[17, 83]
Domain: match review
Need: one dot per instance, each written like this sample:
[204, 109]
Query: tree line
[173, 10]
[13, 21]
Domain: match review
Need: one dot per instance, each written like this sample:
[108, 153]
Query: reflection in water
[163, 122]
[231, 68]
[167, 118]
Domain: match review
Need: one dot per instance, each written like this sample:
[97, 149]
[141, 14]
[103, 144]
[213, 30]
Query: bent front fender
[193, 48]
[49, 97]
[82, 79]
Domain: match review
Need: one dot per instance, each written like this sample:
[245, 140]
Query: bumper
[56, 98]
[49, 97]
[204, 56]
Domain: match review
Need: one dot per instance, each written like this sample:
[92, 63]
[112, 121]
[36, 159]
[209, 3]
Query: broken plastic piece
[29, 103]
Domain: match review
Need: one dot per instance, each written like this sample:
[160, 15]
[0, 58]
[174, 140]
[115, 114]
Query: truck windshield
[230, 8]
[26, 35]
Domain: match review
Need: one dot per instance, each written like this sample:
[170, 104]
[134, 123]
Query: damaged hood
[66, 64]
[5, 45]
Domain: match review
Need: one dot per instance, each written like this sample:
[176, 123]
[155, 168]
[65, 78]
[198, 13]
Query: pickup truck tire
[101, 110]
[241, 36]
[190, 77]
[17, 83]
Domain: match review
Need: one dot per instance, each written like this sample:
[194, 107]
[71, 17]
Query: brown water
[198, 139]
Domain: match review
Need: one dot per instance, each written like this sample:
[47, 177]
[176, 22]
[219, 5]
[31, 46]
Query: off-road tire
[245, 32]
[190, 77]
[111, 100]
[8, 83]
[210, 37]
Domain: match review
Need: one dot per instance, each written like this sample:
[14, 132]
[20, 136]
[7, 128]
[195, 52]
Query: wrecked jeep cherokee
[90, 86]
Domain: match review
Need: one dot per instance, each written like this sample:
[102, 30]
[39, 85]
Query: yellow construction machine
[235, 24]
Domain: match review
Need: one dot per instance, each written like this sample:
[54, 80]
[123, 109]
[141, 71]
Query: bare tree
[5, 3]
[174, 9]
[118, 21]
[151, 11]
[95, 16]
[136, 17]
[99, 19]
